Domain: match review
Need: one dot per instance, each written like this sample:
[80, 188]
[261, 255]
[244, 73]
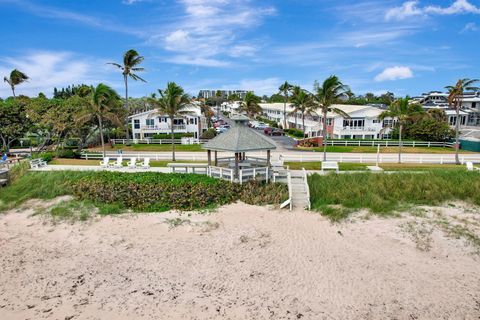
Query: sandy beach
[239, 262]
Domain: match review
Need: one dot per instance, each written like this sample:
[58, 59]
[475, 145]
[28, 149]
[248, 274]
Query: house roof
[240, 138]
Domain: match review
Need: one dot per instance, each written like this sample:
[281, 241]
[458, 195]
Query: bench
[330, 165]
[37, 163]
[185, 167]
[470, 167]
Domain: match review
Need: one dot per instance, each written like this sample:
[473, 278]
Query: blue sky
[407, 47]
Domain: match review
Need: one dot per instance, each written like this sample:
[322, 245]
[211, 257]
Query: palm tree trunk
[296, 125]
[285, 112]
[400, 143]
[303, 124]
[100, 126]
[325, 135]
[13, 91]
[125, 78]
[457, 132]
[173, 135]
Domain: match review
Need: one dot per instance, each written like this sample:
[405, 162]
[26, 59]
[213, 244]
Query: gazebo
[239, 139]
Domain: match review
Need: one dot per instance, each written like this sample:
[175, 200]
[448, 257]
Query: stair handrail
[307, 187]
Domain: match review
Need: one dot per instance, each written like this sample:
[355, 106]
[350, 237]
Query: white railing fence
[222, 173]
[307, 187]
[388, 143]
[159, 141]
[382, 158]
[245, 175]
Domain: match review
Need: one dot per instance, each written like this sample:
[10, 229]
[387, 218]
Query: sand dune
[242, 262]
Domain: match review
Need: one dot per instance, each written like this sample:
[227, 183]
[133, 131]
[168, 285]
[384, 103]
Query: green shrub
[209, 134]
[45, 156]
[175, 135]
[295, 132]
[66, 153]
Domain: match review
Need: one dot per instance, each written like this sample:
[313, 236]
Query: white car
[261, 126]
[253, 124]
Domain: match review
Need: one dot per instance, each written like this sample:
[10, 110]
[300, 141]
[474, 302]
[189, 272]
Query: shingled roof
[240, 138]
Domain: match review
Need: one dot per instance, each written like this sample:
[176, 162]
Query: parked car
[253, 124]
[221, 129]
[261, 126]
[273, 132]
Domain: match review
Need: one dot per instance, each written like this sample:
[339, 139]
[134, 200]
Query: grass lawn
[82, 162]
[370, 149]
[153, 147]
[338, 195]
[316, 165]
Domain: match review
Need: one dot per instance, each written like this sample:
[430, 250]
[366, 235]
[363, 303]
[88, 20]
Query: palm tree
[207, 112]
[455, 99]
[401, 110]
[172, 102]
[331, 91]
[16, 77]
[303, 103]
[101, 103]
[131, 61]
[250, 104]
[285, 89]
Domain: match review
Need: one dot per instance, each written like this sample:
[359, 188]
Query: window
[387, 123]
[136, 124]
[376, 121]
[329, 121]
[354, 123]
[150, 122]
[452, 120]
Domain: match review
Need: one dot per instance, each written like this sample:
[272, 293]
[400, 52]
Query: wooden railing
[245, 175]
[221, 173]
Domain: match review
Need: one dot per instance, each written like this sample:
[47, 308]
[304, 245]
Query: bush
[295, 132]
[45, 156]
[209, 134]
[175, 135]
[66, 153]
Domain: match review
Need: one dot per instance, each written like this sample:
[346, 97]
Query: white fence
[158, 141]
[382, 158]
[388, 143]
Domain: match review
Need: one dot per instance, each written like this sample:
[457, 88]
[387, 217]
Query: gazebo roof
[240, 138]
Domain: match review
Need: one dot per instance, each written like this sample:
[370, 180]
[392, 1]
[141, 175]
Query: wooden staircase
[300, 190]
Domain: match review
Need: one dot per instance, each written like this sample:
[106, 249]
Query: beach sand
[240, 262]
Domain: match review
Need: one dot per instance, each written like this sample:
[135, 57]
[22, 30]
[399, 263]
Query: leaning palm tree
[455, 100]
[131, 61]
[250, 104]
[101, 103]
[285, 89]
[172, 102]
[302, 102]
[401, 111]
[330, 92]
[16, 77]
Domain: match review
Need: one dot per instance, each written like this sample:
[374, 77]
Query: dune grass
[337, 195]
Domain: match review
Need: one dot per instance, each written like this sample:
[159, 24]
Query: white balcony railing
[176, 127]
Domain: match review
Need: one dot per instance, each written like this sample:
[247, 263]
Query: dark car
[273, 132]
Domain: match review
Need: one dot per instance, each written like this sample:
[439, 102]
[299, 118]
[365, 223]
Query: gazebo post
[216, 159]
[209, 156]
[268, 158]
[237, 155]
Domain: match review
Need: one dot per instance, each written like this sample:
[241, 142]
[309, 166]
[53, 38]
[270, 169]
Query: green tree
[16, 78]
[234, 97]
[400, 111]
[331, 91]
[131, 62]
[455, 100]
[172, 102]
[429, 126]
[303, 103]
[13, 121]
[285, 89]
[250, 105]
[101, 103]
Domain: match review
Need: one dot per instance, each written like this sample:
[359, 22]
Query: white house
[470, 114]
[148, 123]
[363, 121]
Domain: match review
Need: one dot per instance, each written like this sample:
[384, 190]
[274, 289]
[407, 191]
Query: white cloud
[50, 69]
[471, 26]
[408, 9]
[198, 61]
[129, 2]
[266, 86]
[394, 73]
[412, 8]
[211, 28]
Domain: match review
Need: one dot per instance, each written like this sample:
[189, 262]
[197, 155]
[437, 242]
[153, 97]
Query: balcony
[164, 128]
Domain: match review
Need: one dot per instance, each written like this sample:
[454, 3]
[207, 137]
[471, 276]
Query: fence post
[441, 160]
[86, 156]
[463, 160]
[387, 143]
[429, 144]
[421, 159]
[266, 174]
[414, 144]
[361, 158]
[341, 158]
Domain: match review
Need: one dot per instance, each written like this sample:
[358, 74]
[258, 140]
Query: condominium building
[207, 94]
[147, 124]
